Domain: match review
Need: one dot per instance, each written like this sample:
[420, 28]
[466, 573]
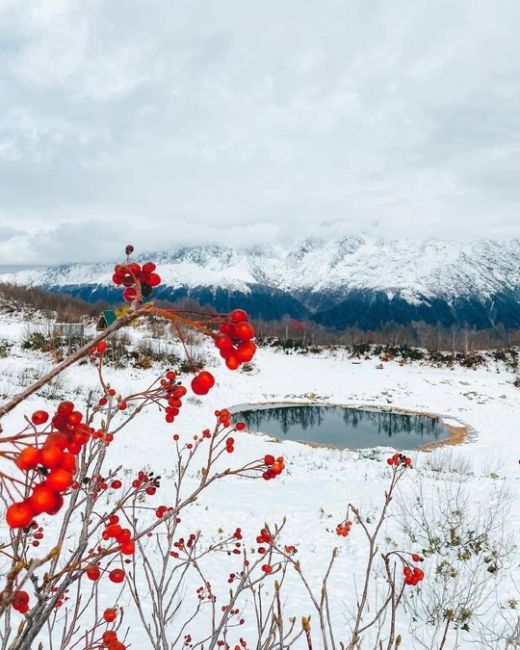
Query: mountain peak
[319, 272]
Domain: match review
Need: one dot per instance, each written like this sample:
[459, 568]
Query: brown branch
[445, 635]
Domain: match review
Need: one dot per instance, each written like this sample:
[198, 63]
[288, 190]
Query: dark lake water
[344, 427]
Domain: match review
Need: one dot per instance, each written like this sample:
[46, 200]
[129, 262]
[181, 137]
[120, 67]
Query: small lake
[344, 427]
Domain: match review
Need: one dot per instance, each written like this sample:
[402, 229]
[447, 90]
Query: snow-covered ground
[319, 483]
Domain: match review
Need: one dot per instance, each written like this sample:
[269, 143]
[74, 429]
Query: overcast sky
[168, 122]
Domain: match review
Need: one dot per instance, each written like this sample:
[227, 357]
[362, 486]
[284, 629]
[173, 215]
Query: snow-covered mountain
[347, 281]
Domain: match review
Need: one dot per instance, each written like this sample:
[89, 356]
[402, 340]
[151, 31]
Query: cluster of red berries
[264, 538]
[147, 481]
[183, 545]
[20, 601]
[231, 578]
[224, 417]
[275, 466]
[138, 280]
[225, 646]
[205, 593]
[413, 576]
[232, 612]
[111, 641]
[123, 536]
[109, 392]
[54, 462]
[399, 459]
[61, 599]
[343, 529]
[36, 532]
[174, 392]
[161, 511]
[234, 341]
[233, 544]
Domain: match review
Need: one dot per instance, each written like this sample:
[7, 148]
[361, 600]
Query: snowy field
[482, 474]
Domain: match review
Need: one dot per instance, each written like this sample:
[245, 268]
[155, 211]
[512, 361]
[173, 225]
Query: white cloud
[181, 121]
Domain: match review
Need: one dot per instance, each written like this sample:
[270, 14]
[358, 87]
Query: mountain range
[351, 281]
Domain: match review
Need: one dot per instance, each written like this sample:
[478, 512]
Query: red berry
[154, 279]
[232, 362]
[202, 382]
[20, 598]
[42, 499]
[277, 468]
[39, 417]
[109, 636]
[127, 548]
[51, 456]
[65, 408]
[57, 439]
[19, 515]
[113, 530]
[58, 504]
[93, 572]
[224, 343]
[130, 294]
[227, 328]
[59, 479]
[246, 351]
[117, 575]
[238, 315]
[244, 331]
[21, 601]
[68, 462]
[28, 458]
[109, 614]
[116, 645]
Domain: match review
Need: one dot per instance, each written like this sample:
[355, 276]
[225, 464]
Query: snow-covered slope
[321, 274]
